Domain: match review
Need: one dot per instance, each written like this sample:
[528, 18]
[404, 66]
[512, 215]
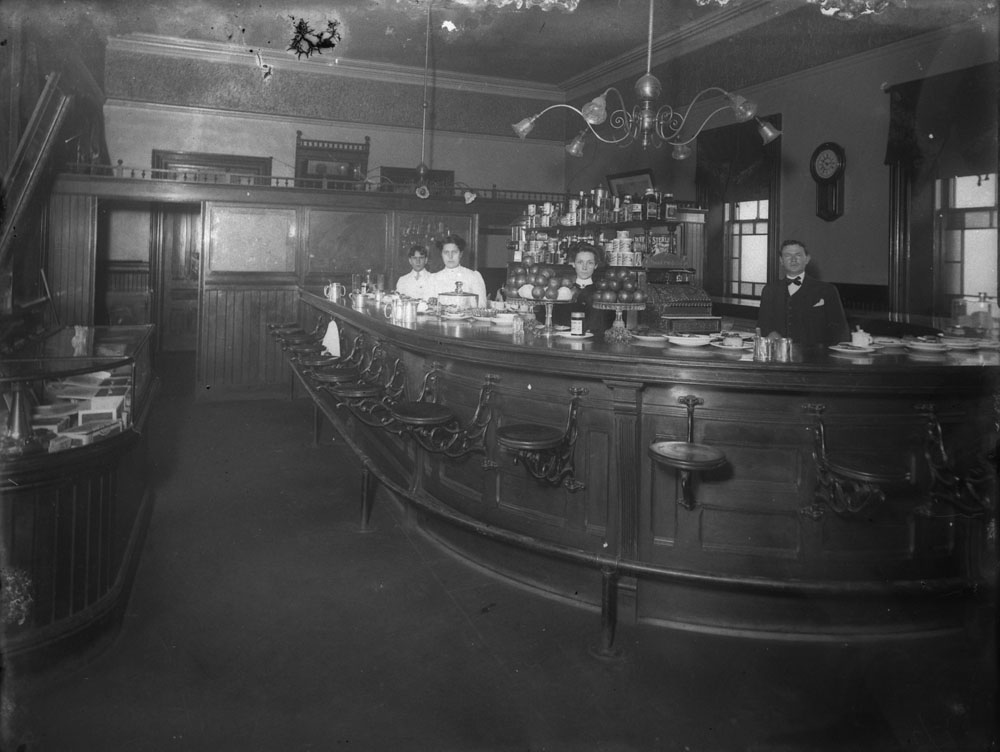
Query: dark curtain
[945, 126]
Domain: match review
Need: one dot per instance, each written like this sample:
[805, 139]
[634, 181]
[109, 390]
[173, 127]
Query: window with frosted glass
[746, 248]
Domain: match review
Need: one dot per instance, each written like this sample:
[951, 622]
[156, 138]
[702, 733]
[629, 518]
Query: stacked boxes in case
[83, 409]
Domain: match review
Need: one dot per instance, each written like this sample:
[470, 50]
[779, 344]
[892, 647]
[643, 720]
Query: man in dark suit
[799, 307]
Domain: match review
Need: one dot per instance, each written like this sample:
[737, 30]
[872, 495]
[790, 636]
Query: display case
[74, 488]
[75, 387]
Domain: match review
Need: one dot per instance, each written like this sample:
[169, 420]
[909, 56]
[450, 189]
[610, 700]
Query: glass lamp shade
[595, 111]
[524, 127]
[768, 132]
[743, 108]
[681, 151]
[575, 147]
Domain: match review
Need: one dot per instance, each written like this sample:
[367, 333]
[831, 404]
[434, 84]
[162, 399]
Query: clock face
[827, 163]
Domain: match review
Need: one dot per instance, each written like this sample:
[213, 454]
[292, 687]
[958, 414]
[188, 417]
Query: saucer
[660, 338]
[848, 348]
[722, 346]
[567, 335]
[693, 341]
[927, 347]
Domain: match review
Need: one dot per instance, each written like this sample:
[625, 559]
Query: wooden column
[71, 257]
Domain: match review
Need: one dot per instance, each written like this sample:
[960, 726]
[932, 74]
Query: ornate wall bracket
[849, 485]
[436, 428]
[966, 492]
[546, 452]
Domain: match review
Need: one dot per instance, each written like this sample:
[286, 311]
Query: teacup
[861, 338]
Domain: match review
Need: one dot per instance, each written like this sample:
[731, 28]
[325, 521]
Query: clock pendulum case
[827, 169]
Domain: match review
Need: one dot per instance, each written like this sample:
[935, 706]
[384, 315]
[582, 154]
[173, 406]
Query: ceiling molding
[152, 44]
[215, 112]
[716, 27]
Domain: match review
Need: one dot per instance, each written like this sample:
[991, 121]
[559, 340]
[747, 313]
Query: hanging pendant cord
[649, 43]
[427, 58]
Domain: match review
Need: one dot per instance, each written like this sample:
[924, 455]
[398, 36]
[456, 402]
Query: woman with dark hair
[585, 258]
[452, 247]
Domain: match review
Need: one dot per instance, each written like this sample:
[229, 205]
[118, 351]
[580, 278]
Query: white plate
[567, 335]
[688, 341]
[455, 317]
[849, 349]
[930, 347]
[650, 337]
[888, 341]
[961, 344]
[721, 346]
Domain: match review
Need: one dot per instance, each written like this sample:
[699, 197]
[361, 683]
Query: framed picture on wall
[331, 164]
[631, 183]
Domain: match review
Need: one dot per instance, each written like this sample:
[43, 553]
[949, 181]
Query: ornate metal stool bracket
[436, 429]
[687, 457]
[969, 492]
[546, 452]
[849, 485]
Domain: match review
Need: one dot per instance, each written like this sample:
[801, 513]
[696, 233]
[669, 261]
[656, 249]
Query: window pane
[953, 246]
[746, 210]
[951, 279]
[980, 262]
[975, 190]
[760, 228]
[755, 259]
[978, 219]
[762, 214]
[746, 289]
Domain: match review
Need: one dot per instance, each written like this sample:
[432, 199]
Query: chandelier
[646, 123]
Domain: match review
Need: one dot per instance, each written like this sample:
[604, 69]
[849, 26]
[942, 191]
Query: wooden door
[178, 257]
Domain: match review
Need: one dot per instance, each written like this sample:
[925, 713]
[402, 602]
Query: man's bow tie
[793, 281]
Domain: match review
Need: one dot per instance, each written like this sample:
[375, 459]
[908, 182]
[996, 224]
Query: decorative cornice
[686, 39]
[152, 44]
[183, 109]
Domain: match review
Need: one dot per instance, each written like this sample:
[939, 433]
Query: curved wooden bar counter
[880, 530]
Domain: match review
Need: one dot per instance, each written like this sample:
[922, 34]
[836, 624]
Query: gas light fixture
[646, 123]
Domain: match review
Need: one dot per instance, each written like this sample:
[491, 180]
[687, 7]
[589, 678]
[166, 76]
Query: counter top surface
[481, 333]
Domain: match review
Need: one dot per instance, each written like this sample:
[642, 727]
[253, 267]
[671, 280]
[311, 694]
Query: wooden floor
[262, 620]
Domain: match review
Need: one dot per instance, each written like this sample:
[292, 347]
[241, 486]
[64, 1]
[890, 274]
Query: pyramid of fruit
[541, 282]
[620, 285]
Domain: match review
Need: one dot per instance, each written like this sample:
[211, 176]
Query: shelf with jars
[627, 230]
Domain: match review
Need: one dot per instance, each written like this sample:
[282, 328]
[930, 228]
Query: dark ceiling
[529, 45]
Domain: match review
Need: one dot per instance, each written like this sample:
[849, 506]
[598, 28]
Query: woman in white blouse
[452, 248]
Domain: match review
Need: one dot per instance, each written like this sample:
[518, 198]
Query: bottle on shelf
[650, 205]
[668, 207]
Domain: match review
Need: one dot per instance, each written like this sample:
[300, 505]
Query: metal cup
[762, 347]
[782, 350]
[358, 301]
[334, 292]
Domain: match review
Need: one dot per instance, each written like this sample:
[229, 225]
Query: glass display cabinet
[74, 497]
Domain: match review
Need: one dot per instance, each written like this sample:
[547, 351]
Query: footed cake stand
[618, 331]
[547, 329]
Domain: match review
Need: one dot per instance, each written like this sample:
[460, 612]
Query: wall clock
[827, 169]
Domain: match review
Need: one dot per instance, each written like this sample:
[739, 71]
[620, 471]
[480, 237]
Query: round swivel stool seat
[422, 413]
[529, 436]
[686, 455]
[866, 469]
[356, 390]
[296, 338]
[335, 375]
[305, 347]
[317, 360]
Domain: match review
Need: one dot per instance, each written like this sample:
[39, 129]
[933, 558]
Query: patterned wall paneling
[235, 352]
[72, 256]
